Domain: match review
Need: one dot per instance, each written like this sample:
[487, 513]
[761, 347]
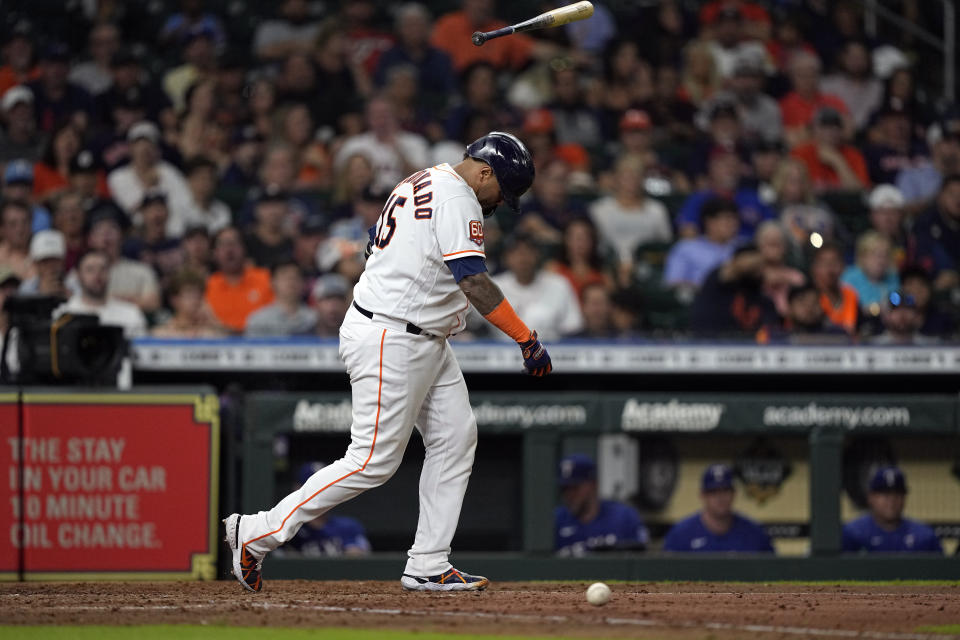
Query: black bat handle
[479, 37]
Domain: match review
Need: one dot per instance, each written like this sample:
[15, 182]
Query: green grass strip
[218, 632]
[940, 628]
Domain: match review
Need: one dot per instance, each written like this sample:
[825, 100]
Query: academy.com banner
[642, 413]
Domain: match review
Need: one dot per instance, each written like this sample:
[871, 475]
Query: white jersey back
[429, 218]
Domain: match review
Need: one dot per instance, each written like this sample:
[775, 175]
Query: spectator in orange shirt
[839, 301]
[52, 173]
[832, 163]
[800, 105]
[452, 32]
[236, 289]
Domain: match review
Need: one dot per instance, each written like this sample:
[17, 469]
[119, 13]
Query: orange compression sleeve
[506, 319]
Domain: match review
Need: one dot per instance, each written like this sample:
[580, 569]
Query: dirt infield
[679, 610]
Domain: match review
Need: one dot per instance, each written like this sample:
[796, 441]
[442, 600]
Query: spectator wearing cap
[583, 523]
[731, 301]
[872, 274]
[729, 39]
[551, 208]
[838, 300]
[15, 243]
[366, 212]
[691, 260]
[130, 98]
[129, 280]
[236, 289]
[287, 315]
[627, 218]
[93, 274]
[18, 56]
[291, 31]
[394, 153]
[435, 78]
[717, 527]
[902, 321]
[328, 535]
[278, 172]
[765, 158]
[892, 147]
[69, 218]
[269, 242]
[329, 299]
[87, 178]
[539, 133]
[921, 181]
[19, 138]
[47, 251]
[724, 174]
[854, 83]
[722, 131]
[191, 16]
[18, 185]
[192, 318]
[831, 162]
[201, 175]
[760, 116]
[636, 137]
[199, 60]
[52, 173]
[94, 75]
[246, 149]
[547, 299]
[147, 170]
[887, 217]
[884, 528]
[579, 259]
[312, 231]
[451, 30]
[778, 276]
[806, 99]
[915, 282]
[56, 99]
[149, 243]
[935, 237]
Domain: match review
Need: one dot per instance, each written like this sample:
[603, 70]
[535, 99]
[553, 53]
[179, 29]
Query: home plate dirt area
[542, 609]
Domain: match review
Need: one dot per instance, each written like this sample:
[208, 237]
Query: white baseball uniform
[401, 379]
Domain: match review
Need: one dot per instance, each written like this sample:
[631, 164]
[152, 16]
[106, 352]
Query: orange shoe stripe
[376, 428]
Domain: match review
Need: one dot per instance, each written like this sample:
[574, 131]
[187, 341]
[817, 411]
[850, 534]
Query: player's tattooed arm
[482, 292]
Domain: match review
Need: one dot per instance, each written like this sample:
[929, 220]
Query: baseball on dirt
[598, 594]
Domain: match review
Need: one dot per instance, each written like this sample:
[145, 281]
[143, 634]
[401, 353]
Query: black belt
[411, 328]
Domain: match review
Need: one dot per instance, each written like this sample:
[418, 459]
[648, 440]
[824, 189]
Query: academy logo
[333, 417]
[476, 232]
[846, 417]
[670, 416]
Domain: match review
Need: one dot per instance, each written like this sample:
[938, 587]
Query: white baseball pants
[398, 380]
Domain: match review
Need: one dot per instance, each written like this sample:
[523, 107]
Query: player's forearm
[482, 292]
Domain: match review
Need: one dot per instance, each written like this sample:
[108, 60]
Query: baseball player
[584, 522]
[884, 528]
[717, 527]
[425, 267]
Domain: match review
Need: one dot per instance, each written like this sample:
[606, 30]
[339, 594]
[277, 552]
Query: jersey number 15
[387, 224]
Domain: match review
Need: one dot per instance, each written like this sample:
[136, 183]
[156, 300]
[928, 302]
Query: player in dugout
[584, 523]
[883, 528]
[717, 527]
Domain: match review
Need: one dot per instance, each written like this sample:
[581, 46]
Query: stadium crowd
[728, 168]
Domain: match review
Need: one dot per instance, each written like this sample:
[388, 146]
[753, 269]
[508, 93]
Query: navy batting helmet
[510, 161]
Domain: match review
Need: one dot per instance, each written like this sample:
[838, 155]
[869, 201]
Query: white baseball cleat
[449, 580]
[246, 567]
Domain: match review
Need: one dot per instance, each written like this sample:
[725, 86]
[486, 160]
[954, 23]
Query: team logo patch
[476, 232]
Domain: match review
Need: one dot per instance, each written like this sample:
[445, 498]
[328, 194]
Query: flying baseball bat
[552, 18]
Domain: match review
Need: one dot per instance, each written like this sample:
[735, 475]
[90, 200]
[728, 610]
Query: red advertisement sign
[112, 484]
